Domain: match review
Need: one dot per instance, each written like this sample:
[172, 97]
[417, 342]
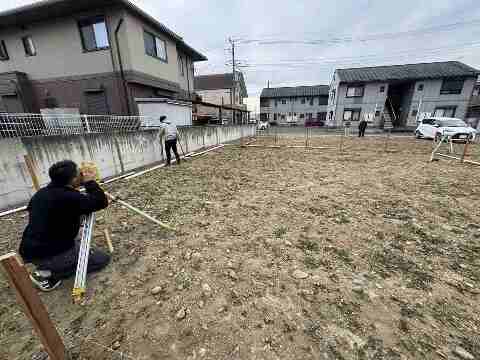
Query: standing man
[362, 126]
[171, 135]
[50, 240]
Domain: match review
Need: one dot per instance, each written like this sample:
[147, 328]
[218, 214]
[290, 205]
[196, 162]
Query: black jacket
[54, 219]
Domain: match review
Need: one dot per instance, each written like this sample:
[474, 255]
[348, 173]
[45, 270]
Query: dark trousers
[171, 145]
[361, 130]
[64, 265]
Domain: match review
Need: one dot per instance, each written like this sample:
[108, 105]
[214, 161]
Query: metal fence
[18, 125]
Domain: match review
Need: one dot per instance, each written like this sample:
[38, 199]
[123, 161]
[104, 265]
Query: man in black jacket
[50, 240]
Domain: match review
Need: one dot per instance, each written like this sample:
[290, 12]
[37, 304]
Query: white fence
[19, 125]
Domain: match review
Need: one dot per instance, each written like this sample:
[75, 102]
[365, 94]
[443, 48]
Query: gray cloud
[207, 24]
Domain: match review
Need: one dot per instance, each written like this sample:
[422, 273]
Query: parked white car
[436, 127]
[263, 125]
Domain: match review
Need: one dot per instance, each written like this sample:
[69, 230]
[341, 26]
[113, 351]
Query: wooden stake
[31, 171]
[32, 304]
[465, 150]
[106, 233]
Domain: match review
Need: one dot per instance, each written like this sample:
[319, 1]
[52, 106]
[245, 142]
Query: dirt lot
[282, 254]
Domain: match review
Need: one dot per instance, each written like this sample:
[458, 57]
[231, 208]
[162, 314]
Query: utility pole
[232, 42]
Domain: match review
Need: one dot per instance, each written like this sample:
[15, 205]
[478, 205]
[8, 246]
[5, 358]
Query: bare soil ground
[281, 254]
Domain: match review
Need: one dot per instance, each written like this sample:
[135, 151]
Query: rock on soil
[181, 314]
[297, 274]
[207, 290]
[156, 290]
[464, 354]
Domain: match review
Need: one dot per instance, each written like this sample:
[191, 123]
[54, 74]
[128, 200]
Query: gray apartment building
[301, 105]
[96, 56]
[400, 93]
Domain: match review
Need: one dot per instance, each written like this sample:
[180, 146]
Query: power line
[328, 62]
[271, 40]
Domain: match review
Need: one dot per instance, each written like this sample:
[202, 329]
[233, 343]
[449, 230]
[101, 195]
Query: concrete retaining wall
[114, 153]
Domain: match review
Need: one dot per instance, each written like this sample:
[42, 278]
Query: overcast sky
[293, 43]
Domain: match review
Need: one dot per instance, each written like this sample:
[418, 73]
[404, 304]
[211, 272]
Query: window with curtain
[155, 46]
[452, 86]
[29, 46]
[94, 33]
[355, 91]
[447, 111]
[3, 51]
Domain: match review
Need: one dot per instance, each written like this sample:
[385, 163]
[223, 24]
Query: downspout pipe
[120, 64]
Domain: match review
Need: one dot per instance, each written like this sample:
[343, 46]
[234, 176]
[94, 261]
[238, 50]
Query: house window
[180, 66]
[302, 116]
[155, 47]
[276, 103]
[323, 100]
[309, 116]
[311, 101]
[414, 112]
[3, 51]
[377, 113]
[382, 89]
[274, 117]
[446, 111]
[303, 101]
[94, 33]
[452, 86]
[476, 91]
[283, 117]
[355, 91]
[420, 87]
[284, 101]
[29, 46]
[351, 114]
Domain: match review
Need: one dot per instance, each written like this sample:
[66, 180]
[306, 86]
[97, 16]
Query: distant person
[362, 126]
[171, 135]
[50, 240]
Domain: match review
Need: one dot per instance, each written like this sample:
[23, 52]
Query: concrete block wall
[114, 153]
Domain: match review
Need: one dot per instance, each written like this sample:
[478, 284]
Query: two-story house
[222, 89]
[96, 56]
[400, 93]
[301, 105]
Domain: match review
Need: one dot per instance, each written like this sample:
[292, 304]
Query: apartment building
[94, 56]
[400, 94]
[222, 89]
[301, 105]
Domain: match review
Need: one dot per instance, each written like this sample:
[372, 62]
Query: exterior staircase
[387, 121]
[387, 118]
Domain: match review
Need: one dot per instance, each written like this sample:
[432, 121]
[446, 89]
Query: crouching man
[51, 239]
